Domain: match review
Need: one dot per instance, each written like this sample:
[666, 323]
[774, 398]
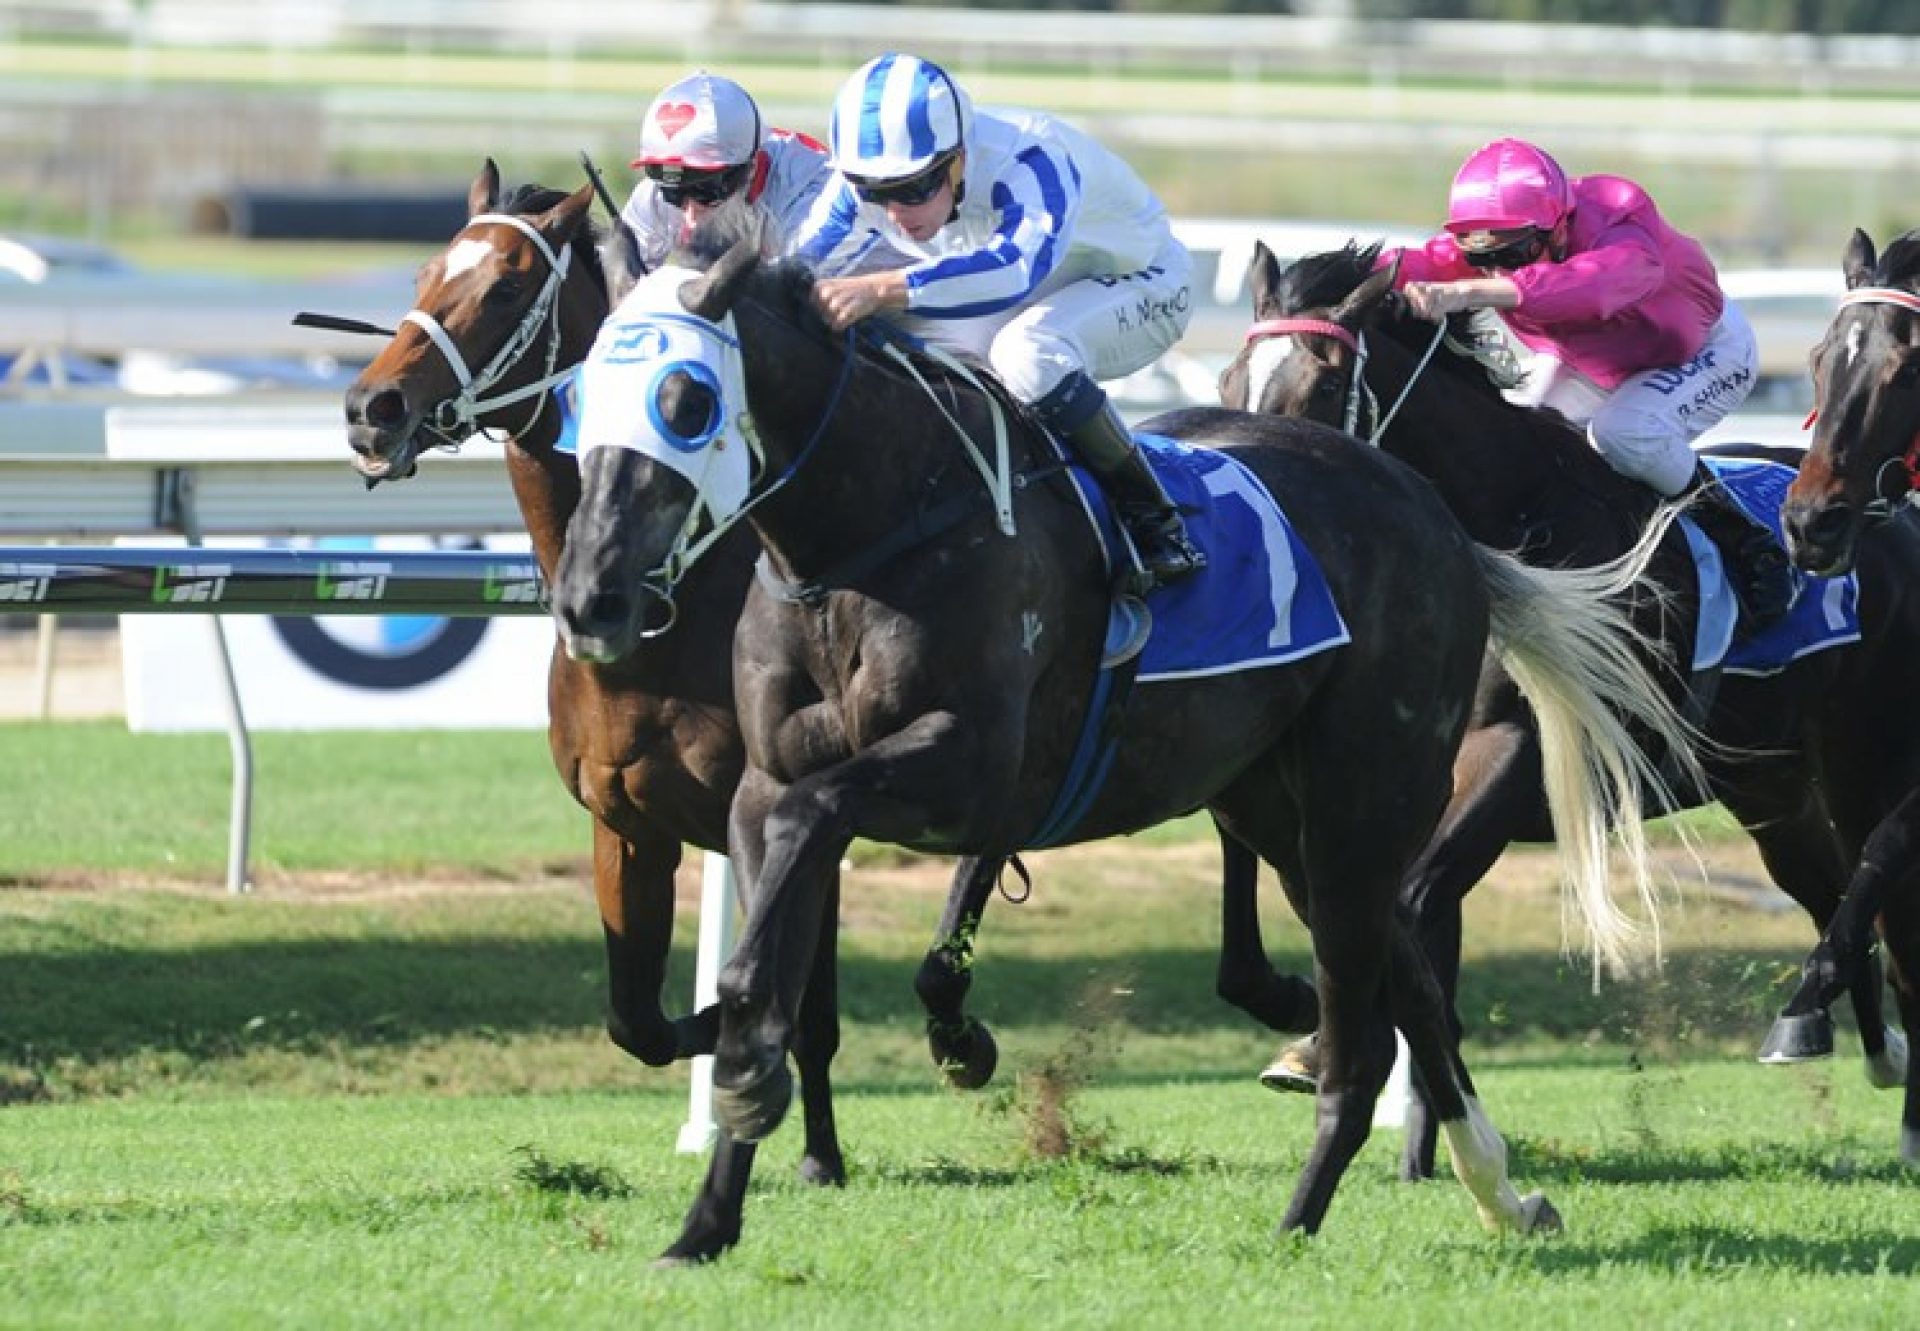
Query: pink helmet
[1507, 185]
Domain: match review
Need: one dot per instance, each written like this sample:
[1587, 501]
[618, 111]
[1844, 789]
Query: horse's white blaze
[1887, 1069]
[1480, 1162]
[1854, 336]
[465, 255]
[1262, 361]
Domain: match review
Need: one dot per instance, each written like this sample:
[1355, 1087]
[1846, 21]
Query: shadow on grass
[1721, 1250]
[92, 1002]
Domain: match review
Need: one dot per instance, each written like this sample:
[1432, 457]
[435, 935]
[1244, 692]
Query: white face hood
[648, 337]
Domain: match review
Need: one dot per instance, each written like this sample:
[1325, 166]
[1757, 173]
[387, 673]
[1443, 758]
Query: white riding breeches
[1107, 325]
[1645, 428]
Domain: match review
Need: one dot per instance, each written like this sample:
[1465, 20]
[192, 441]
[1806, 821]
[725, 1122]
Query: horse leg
[963, 1048]
[633, 886]
[791, 838]
[1900, 924]
[1498, 798]
[1246, 977]
[816, 1039]
[1479, 1153]
[1838, 962]
[713, 1223]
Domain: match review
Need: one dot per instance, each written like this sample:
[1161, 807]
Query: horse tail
[1565, 638]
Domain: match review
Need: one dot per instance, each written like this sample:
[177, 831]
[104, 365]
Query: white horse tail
[1565, 638]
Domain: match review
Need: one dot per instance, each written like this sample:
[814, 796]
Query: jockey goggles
[1502, 249]
[909, 193]
[680, 185]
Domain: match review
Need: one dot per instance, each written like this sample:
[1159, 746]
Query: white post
[717, 928]
[1390, 1110]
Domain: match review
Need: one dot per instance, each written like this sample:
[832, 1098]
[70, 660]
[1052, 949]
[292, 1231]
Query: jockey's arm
[844, 301]
[1436, 300]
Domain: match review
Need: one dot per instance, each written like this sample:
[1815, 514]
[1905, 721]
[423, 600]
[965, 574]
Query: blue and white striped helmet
[894, 117]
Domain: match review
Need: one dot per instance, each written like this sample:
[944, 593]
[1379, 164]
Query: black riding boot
[1756, 565]
[1079, 410]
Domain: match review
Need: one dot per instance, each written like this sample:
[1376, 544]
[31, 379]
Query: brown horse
[1806, 758]
[908, 674]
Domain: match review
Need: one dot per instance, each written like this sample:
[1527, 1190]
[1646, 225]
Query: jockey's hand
[1436, 300]
[844, 301]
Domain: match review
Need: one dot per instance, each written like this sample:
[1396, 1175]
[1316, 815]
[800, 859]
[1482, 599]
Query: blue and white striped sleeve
[833, 236]
[1036, 200]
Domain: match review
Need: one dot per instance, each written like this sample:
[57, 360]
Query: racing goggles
[909, 193]
[680, 185]
[1515, 248]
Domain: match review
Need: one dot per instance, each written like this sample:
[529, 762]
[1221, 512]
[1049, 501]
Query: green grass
[380, 1094]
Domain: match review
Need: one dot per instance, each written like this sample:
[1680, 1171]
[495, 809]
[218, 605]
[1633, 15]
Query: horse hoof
[1887, 1070]
[821, 1173]
[967, 1061]
[1539, 1216]
[1799, 1039]
[750, 1113]
[1295, 1069]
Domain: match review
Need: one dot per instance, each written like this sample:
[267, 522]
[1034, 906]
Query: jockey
[1018, 240]
[1632, 336]
[703, 146]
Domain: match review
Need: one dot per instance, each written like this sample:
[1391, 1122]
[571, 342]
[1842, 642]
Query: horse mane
[524, 199]
[1900, 261]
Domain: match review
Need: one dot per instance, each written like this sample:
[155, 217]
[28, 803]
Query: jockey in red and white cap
[703, 146]
[1632, 335]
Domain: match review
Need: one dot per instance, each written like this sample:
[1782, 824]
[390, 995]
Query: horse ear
[712, 295]
[559, 222]
[1263, 277]
[484, 193]
[1359, 305]
[1859, 260]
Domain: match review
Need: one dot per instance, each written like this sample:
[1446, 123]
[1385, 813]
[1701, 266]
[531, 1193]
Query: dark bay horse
[1792, 759]
[649, 745]
[1851, 508]
[907, 673]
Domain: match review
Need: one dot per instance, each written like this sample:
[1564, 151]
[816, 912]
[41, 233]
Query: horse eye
[504, 292]
[1906, 374]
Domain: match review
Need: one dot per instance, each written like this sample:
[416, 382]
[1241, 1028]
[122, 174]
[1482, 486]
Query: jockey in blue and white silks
[1015, 238]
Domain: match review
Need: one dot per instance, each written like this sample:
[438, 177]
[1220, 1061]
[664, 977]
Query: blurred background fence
[163, 114]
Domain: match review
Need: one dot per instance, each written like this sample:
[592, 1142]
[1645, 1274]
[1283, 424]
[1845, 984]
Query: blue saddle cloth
[1260, 601]
[1825, 613]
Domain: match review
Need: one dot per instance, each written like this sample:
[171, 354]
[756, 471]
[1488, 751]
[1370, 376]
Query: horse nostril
[607, 609]
[1827, 525]
[386, 409]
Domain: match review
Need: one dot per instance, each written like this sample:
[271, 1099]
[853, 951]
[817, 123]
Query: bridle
[1360, 395]
[455, 417]
[1907, 463]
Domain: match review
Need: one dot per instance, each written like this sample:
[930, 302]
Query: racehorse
[907, 673]
[1797, 756]
[1848, 509]
[650, 744]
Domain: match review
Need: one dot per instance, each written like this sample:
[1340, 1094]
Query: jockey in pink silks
[1632, 336]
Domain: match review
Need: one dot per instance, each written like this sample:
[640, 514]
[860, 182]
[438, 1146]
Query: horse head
[667, 451]
[500, 317]
[1304, 354]
[1865, 455]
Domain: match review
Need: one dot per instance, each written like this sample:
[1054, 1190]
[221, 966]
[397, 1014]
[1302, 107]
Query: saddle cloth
[1260, 601]
[1825, 613]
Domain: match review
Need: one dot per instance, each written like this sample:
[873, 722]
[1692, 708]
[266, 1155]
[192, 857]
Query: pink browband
[1906, 300]
[1267, 328]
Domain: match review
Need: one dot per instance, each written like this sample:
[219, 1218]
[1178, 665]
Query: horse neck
[870, 451]
[1491, 460]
